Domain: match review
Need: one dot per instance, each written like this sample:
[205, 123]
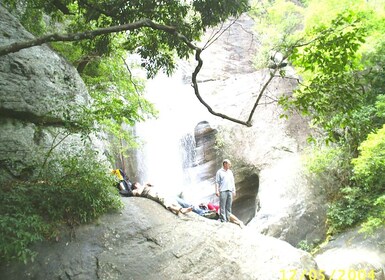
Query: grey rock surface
[37, 89]
[355, 253]
[36, 83]
[146, 241]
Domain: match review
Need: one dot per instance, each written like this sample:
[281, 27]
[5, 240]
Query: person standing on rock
[225, 190]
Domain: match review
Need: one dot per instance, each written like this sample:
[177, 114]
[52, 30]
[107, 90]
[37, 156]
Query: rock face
[353, 252]
[206, 162]
[273, 193]
[145, 241]
[37, 86]
[205, 154]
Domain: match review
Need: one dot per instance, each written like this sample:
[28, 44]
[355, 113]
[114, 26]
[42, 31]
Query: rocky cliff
[37, 89]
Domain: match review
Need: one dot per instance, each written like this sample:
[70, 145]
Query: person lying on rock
[211, 214]
[150, 192]
[209, 211]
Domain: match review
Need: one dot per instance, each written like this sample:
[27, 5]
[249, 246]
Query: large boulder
[361, 255]
[39, 92]
[146, 241]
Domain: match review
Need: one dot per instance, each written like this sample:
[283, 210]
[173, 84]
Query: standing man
[225, 190]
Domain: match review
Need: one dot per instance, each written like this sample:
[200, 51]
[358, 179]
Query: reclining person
[124, 185]
[148, 191]
[209, 211]
[211, 214]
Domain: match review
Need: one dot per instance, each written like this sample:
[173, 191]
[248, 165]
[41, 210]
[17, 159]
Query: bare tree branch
[217, 34]
[197, 94]
[272, 74]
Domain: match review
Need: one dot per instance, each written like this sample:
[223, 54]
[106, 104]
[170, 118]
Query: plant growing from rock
[72, 190]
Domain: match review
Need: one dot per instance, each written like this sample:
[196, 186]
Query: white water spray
[169, 144]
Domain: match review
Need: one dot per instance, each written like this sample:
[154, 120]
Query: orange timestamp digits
[337, 274]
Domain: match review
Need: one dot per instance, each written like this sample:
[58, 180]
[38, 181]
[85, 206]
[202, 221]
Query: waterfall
[168, 141]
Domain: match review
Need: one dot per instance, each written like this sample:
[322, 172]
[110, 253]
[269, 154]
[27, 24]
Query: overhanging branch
[17, 46]
[197, 94]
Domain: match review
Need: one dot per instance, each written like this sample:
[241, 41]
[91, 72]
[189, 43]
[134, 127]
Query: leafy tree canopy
[337, 49]
[334, 46]
[191, 18]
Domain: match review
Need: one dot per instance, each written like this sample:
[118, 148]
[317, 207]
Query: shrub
[351, 209]
[329, 170]
[362, 200]
[72, 190]
[369, 168]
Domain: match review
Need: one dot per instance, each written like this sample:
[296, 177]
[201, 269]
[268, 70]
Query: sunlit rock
[146, 241]
[354, 255]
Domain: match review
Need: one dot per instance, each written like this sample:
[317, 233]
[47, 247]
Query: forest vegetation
[336, 47]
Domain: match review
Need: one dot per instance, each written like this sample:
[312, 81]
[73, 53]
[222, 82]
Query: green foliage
[72, 190]
[308, 246]
[376, 216]
[18, 232]
[328, 170]
[330, 52]
[32, 18]
[337, 47]
[371, 161]
[334, 92]
[349, 210]
[117, 100]
[334, 49]
[363, 201]
[278, 23]
[369, 168]
[157, 48]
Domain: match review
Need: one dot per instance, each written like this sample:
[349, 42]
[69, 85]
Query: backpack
[124, 186]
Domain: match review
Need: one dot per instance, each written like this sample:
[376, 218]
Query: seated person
[150, 192]
[233, 218]
[124, 186]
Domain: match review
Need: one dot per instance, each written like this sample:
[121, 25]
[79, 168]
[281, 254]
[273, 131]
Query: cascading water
[168, 142]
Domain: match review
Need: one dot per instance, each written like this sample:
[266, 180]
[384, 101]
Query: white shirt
[225, 180]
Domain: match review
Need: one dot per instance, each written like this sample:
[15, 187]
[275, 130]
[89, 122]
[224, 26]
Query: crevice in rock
[31, 117]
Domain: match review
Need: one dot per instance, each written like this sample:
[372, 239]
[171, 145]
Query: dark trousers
[225, 202]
